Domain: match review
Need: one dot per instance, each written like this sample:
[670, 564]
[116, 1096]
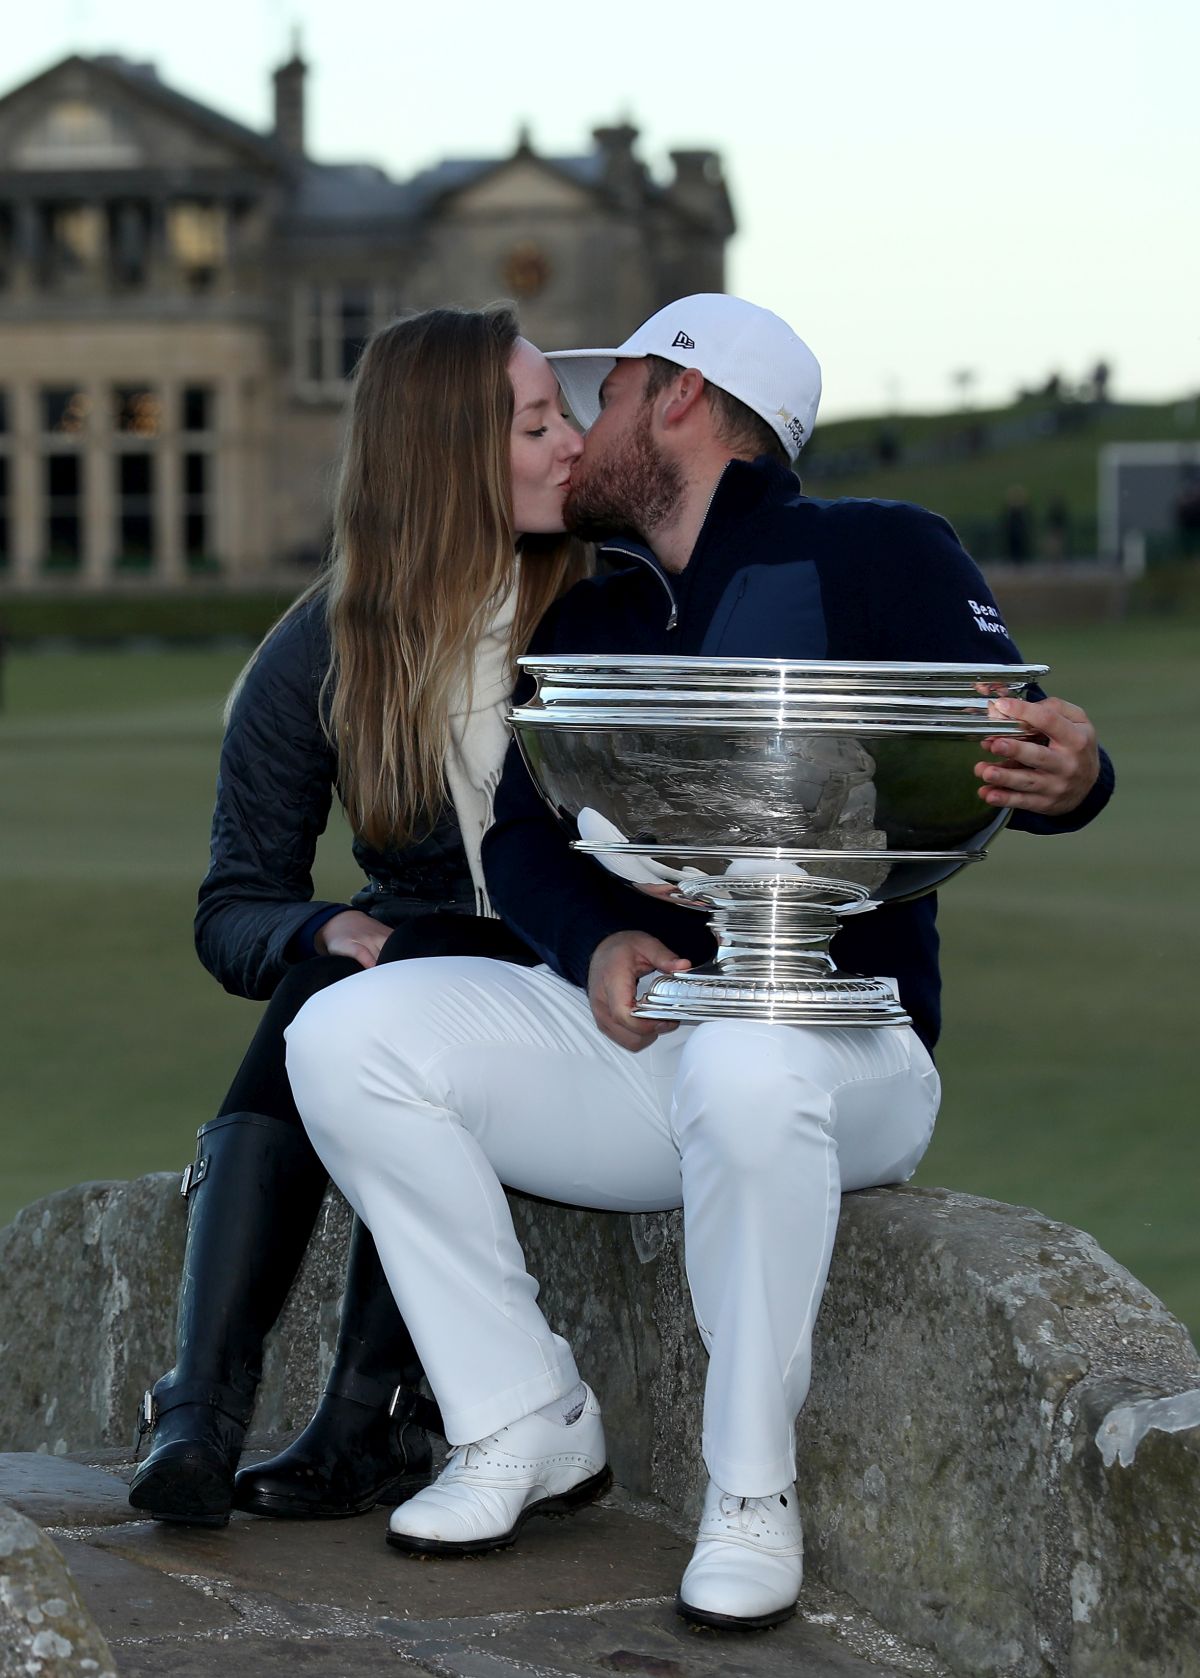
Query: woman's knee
[455, 935]
[305, 980]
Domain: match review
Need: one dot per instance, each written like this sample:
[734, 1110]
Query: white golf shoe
[746, 1569]
[488, 1490]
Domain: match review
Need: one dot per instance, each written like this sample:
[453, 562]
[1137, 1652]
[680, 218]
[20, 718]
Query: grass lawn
[970, 492]
[1069, 964]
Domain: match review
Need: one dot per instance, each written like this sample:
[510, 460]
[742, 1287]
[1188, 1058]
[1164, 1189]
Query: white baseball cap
[739, 347]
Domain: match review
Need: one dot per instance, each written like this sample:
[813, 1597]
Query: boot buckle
[193, 1175]
[410, 1406]
[147, 1416]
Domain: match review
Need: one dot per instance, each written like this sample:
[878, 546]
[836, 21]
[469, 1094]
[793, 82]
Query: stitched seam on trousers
[808, 1321]
[460, 1132]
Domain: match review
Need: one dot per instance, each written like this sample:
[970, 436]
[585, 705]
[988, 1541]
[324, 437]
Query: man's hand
[352, 934]
[1050, 774]
[617, 965]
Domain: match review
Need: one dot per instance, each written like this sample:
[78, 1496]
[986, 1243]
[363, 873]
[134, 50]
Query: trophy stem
[773, 962]
[792, 936]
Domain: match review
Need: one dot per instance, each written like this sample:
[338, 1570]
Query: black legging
[261, 1082]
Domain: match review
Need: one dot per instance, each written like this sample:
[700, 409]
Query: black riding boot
[366, 1443]
[254, 1193]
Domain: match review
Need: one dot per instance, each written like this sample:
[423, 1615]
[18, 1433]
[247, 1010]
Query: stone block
[969, 1356]
[87, 1310]
[942, 1455]
[57, 1493]
[45, 1631]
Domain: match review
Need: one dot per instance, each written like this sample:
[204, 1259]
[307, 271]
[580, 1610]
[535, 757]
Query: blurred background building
[182, 300]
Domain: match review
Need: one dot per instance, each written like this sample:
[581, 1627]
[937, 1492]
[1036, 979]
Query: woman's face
[545, 446]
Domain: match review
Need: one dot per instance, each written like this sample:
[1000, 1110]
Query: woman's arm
[274, 791]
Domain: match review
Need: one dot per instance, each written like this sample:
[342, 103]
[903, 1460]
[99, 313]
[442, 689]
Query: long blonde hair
[423, 553]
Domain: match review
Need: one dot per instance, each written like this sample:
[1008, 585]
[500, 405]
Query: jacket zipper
[632, 553]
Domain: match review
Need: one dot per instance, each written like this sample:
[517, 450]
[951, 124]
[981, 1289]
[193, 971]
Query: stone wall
[1000, 1456]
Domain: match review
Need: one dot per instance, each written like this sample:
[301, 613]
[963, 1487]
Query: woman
[386, 682]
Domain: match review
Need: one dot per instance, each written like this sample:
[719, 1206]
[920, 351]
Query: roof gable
[105, 113]
[518, 184]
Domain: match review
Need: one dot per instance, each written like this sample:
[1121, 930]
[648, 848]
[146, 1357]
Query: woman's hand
[352, 934]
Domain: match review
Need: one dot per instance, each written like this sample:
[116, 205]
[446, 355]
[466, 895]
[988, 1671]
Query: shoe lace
[461, 1456]
[744, 1512]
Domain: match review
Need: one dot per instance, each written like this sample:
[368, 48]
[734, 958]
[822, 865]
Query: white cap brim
[580, 373]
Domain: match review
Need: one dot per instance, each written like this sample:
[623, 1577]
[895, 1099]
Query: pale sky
[921, 188]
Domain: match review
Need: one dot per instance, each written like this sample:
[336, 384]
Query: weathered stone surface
[87, 1307]
[1133, 1516]
[54, 1492]
[87, 1315]
[941, 1456]
[45, 1631]
[968, 1355]
[580, 1599]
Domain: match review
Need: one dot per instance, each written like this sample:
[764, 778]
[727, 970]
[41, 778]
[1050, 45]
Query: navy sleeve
[303, 942]
[274, 791]
[561, 903]
[933, 603]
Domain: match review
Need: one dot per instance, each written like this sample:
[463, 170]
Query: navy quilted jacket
[275, 788]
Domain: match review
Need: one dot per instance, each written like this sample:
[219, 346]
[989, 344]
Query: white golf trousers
[425, 1085]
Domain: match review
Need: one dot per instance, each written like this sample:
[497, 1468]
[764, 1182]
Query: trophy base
[708, 994]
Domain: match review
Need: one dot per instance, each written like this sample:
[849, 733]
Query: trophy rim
[774, 853]
[650, 662]
[561, 718]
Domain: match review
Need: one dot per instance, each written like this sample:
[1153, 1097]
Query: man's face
[623, 480]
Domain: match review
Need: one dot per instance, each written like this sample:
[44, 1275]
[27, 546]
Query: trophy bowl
[781, 796]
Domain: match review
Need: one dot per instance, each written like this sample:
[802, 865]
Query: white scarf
[479, 739]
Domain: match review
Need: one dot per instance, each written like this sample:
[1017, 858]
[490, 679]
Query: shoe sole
[733, 1622]
[272, 1506]
[556, 1508]
[183, 1492]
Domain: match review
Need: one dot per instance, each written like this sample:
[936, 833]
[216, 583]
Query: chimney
[621, 171]
[699, 186]
[289, 102]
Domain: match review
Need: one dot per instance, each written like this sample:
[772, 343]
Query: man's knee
[369, 1037]
[747, 1095]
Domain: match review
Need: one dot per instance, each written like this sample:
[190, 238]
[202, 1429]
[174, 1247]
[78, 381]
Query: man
[426, 1085]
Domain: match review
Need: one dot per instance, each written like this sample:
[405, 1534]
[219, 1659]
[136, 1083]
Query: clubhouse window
[62, 478]
[137, 411]
[5, 530]
[198, 484]
[134, 474]
[64, 411]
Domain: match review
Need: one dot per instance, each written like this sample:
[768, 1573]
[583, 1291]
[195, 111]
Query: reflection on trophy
[780, 796]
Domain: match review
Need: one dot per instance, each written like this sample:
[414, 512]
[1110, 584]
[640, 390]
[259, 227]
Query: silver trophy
[782, 797]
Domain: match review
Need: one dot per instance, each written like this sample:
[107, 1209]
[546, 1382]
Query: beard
[636, 489]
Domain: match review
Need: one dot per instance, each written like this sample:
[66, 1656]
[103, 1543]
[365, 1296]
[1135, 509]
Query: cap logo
[791, 425]
[681, 341]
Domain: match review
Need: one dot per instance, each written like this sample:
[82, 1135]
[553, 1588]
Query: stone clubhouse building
[182, 300]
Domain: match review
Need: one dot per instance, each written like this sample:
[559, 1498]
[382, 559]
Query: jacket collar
[744, 488]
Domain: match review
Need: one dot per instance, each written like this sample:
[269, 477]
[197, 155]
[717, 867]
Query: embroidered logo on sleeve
[987, 618]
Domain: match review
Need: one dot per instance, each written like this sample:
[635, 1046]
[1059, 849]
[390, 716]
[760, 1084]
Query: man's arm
[562, 904]
[935, 605]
